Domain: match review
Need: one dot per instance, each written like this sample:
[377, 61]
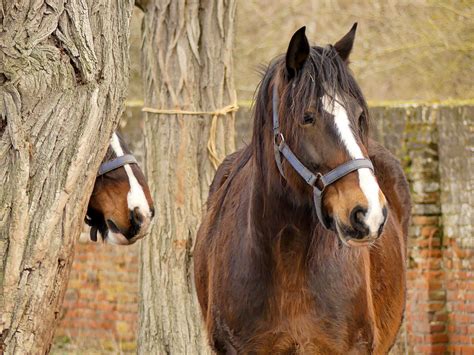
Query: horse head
[120, 207]
[319, 120]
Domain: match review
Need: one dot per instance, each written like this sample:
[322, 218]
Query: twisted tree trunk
[187, 65]
[63, 77]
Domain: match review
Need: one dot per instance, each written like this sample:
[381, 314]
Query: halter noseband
[280, 147]
[116, 163]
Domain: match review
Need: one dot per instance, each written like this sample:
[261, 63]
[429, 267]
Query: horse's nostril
[112, 226]
[137, 217]
[136, 221]
[357, 219]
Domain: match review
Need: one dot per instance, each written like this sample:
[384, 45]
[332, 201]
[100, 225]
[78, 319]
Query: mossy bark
[187, 65]
[63, 78]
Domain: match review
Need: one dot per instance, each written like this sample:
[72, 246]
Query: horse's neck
[291, 243]
[275, 215]
[273, 208]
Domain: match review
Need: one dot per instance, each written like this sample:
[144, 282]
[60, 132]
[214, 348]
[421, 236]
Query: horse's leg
[220, 336]
[227, 349]
[222, 346]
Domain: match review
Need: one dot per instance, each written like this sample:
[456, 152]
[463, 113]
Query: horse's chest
[316, 308]
[301, 304]
[305, 327]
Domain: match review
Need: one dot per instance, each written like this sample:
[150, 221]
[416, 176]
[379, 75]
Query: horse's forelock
[325, 73]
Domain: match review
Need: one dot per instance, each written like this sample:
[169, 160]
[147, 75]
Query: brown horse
[120, 207]
[302, 247]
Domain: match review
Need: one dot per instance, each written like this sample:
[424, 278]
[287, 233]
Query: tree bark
[63, 78]
[187, 65]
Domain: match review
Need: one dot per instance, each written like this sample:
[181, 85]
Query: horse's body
[271, 280]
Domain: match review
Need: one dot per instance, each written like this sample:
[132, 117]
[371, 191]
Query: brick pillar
[410, 132]
[456, 153]
[435, 145]
[426, 311]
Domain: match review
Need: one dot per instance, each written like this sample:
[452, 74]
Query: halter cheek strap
[317, 181]
[116, 163]
[333, 176]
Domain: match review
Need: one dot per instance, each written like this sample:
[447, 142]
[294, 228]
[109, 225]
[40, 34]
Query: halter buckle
[279, 139]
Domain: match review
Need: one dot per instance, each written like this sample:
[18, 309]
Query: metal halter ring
[280, 136]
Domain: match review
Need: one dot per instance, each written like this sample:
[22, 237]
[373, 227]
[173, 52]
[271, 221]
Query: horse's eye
[308, 119]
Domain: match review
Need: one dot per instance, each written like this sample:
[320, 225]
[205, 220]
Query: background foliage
[404, 50]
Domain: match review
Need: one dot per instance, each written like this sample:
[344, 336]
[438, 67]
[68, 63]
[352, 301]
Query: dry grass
[404, 50]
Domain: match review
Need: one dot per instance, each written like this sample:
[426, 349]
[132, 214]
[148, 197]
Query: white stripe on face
[374, 216]
[136, 196]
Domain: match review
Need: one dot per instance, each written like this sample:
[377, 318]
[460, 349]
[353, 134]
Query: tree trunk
[63, 77]
[187, 65]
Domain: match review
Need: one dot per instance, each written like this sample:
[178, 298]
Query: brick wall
[456, 155]
[412, 134]
[100, 306]
[435, 144]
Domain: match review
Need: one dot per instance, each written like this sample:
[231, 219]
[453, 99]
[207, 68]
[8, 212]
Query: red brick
[437, 338]
[440, 317]
[462, 318]
[460, 339]
[430, 253]
[430, 349]
[431, 306]
[437, 328]
[425, 242]
[430, 232]
[425, 220]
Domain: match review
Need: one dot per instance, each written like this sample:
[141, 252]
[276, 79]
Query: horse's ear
[297, 53]
[344, 45]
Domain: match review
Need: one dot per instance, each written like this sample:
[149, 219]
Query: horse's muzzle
[358, 233]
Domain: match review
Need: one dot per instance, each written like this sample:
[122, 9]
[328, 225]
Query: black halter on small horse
[317, 181]
[116, 163]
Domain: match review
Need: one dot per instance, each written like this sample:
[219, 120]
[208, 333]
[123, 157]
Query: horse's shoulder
[227, 171]
[218, 191]
[205, 236]
[392, 180]
[223, 172]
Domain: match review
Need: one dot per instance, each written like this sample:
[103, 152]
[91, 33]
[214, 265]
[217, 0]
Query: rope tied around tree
[211, 142]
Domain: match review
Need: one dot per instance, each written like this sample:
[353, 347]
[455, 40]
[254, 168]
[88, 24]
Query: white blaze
[374, 216]
[136, 196]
